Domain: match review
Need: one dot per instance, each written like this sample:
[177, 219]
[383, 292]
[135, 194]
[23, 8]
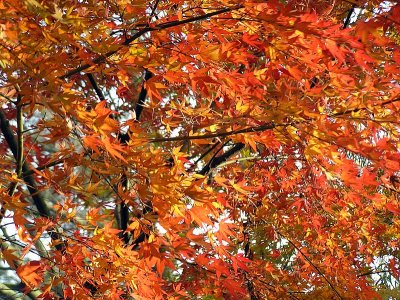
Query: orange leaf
[393, 208]
[9, 256]
[28, 274]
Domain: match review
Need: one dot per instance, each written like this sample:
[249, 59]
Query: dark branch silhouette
[348, 18]
[216, 161]
[95, 86]
[142, 96]
[122, 209]
[29, 180]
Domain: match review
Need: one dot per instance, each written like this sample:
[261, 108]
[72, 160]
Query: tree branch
[216, 135]
[43, 167]
[30, 182]
[348, 18]
[141, 32]
[142, 96]
[373, 272]
[122, 209]
[207, 152]
[153, 10]
[354, 110]
[312, 264]
[7, 292]
[19, 288]
[233, 161]
[20, 150]
[216, 161]
[10, 292]
[20, 136]
[95, 86]
[248, 253]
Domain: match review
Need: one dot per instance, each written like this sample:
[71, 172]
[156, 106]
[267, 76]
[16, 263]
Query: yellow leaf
[176, 210]
[9, 256]
[293, 133]
[242, 106]
[238, 188]
[198, 176]
[34, 3]
[23, 234]
[260, 74]
[119, 251]
[213, 128]
[152, 238]
[272, 54]
[133, 226]
[210, 52]
[58, 13]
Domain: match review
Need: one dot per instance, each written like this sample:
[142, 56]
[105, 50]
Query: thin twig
[206, 153]
[312, 264]
[213, 157]
[215, 161]
[354, 110]
[43, 167]
[216, 135]
[233, 161]
[7, 98]
[143, 31]
[153, 10]
[373, 272]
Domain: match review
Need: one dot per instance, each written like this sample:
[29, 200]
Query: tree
[200, 149]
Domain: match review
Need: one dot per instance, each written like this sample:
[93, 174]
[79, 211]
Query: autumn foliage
[206, 149]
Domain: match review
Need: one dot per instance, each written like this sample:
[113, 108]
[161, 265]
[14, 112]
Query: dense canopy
[206, 149]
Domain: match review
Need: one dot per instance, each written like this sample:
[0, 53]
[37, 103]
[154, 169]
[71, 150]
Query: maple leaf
[160, 149]
[114, 149]
[393, 208]
[29, 273]
[9, 256]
